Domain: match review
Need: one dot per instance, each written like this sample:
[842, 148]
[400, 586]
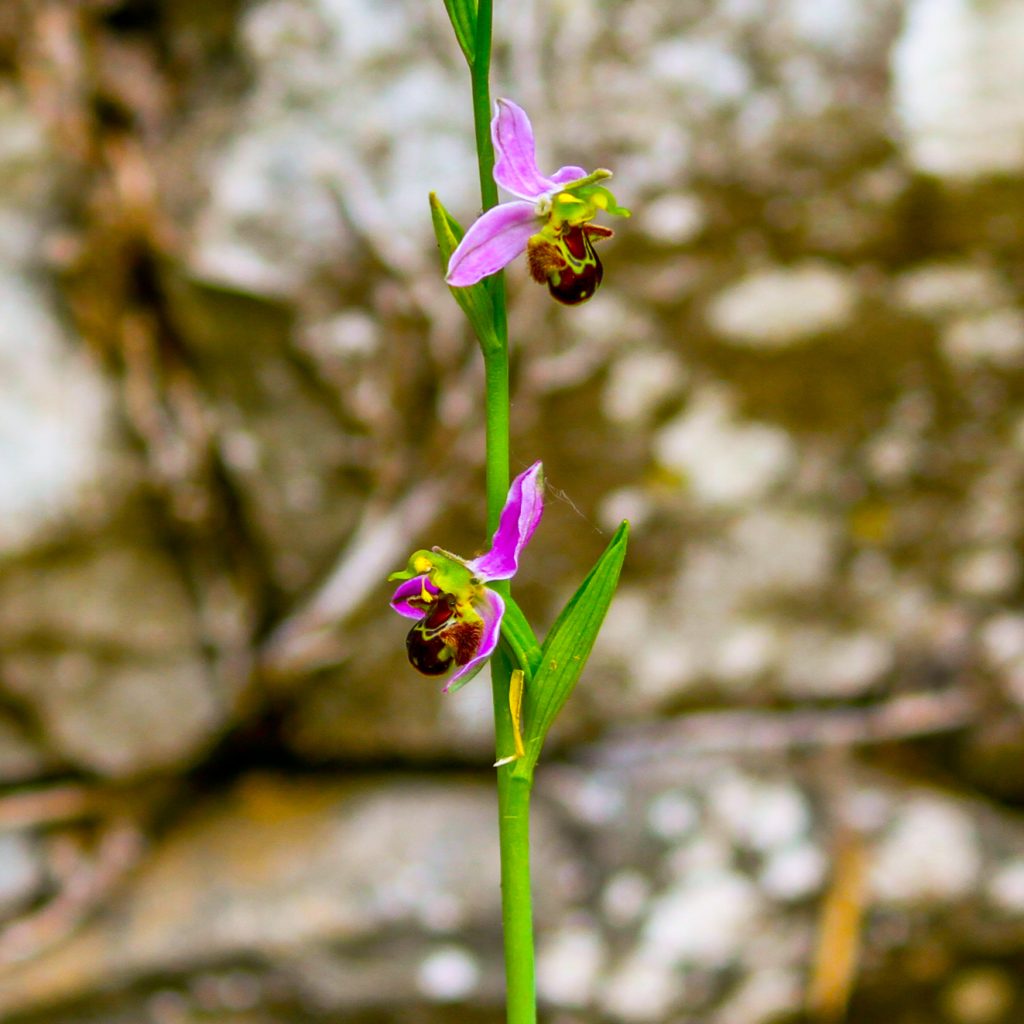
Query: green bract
[558, 667]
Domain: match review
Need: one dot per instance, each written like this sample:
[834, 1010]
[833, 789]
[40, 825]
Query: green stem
[496, 417]
[514, 843]
[480, 71]
[517, 915]
[495, 355]
[513, 794]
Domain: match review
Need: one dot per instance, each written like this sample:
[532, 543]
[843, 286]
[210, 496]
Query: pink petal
[515, 167]
[492, 242]
[491, 609]
[519, 518]
[566, 174]
[408, 589]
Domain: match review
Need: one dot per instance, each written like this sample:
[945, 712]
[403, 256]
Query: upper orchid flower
[550, 219]
[459, 616]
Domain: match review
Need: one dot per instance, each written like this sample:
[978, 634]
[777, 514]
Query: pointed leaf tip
[567, 647]
[462, 14]
[474, 301]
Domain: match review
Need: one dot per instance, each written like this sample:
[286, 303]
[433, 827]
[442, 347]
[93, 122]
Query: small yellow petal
[515, 705]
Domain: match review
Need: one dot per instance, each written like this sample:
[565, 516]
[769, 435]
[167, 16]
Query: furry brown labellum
[441, 639]
[570, 267]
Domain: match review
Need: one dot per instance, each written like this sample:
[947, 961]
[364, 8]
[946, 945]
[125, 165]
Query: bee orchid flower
[551, 218]
[458, 615]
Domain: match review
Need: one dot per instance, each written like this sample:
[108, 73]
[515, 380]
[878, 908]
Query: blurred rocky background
[234, 395]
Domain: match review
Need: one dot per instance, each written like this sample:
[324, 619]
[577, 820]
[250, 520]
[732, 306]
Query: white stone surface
[892, 457]
[723, 461]
[21, 757]
[745, 652]
[995, 338]
[471, 717]
[708, 68]
[640, 989]
[448, 974]
[1002, 639]
[958, 81]
[630, 612]
[672, 219]
[779, 306]
[630, 503]
[54, 409]
[624, 897]
[673, 815]
[784, 551]
[1006, 887]
[706, 854]
[21, 871]
[794, 872]
[986, 572]
[569, 964]
[664, 665]
[764, 996]
[596, 801]
[704, 921]
[707, 629]
[979, 995]
[835, 25]
[940, 289]
[821, 663]
[338, 118]
[638, 382]
[120, 719]
[761, 816]
[54, 404]
[930, 853]
[349, 335]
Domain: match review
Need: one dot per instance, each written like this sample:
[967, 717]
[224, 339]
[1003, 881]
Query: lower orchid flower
[458, 615]
[550, 220]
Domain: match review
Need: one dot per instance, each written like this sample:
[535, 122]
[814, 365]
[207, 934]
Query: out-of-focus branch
[737, 732]
[85, 883]
[312, 634]
[48, 806]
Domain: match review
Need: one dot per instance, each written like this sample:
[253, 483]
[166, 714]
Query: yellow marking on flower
[568, 197]
[425, 595]
[515, 706]
[423, 564]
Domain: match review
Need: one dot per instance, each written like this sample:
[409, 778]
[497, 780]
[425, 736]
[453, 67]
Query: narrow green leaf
[567, 647]
[475, 301]
[463, 18]
[519, 635]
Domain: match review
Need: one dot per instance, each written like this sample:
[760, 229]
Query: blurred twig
[85, 882]
[839, 931]
[47, 806]
[728, 732]
[311, 635]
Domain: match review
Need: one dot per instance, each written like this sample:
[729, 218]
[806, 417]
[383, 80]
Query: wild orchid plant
[550, 220]
[463, 608]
